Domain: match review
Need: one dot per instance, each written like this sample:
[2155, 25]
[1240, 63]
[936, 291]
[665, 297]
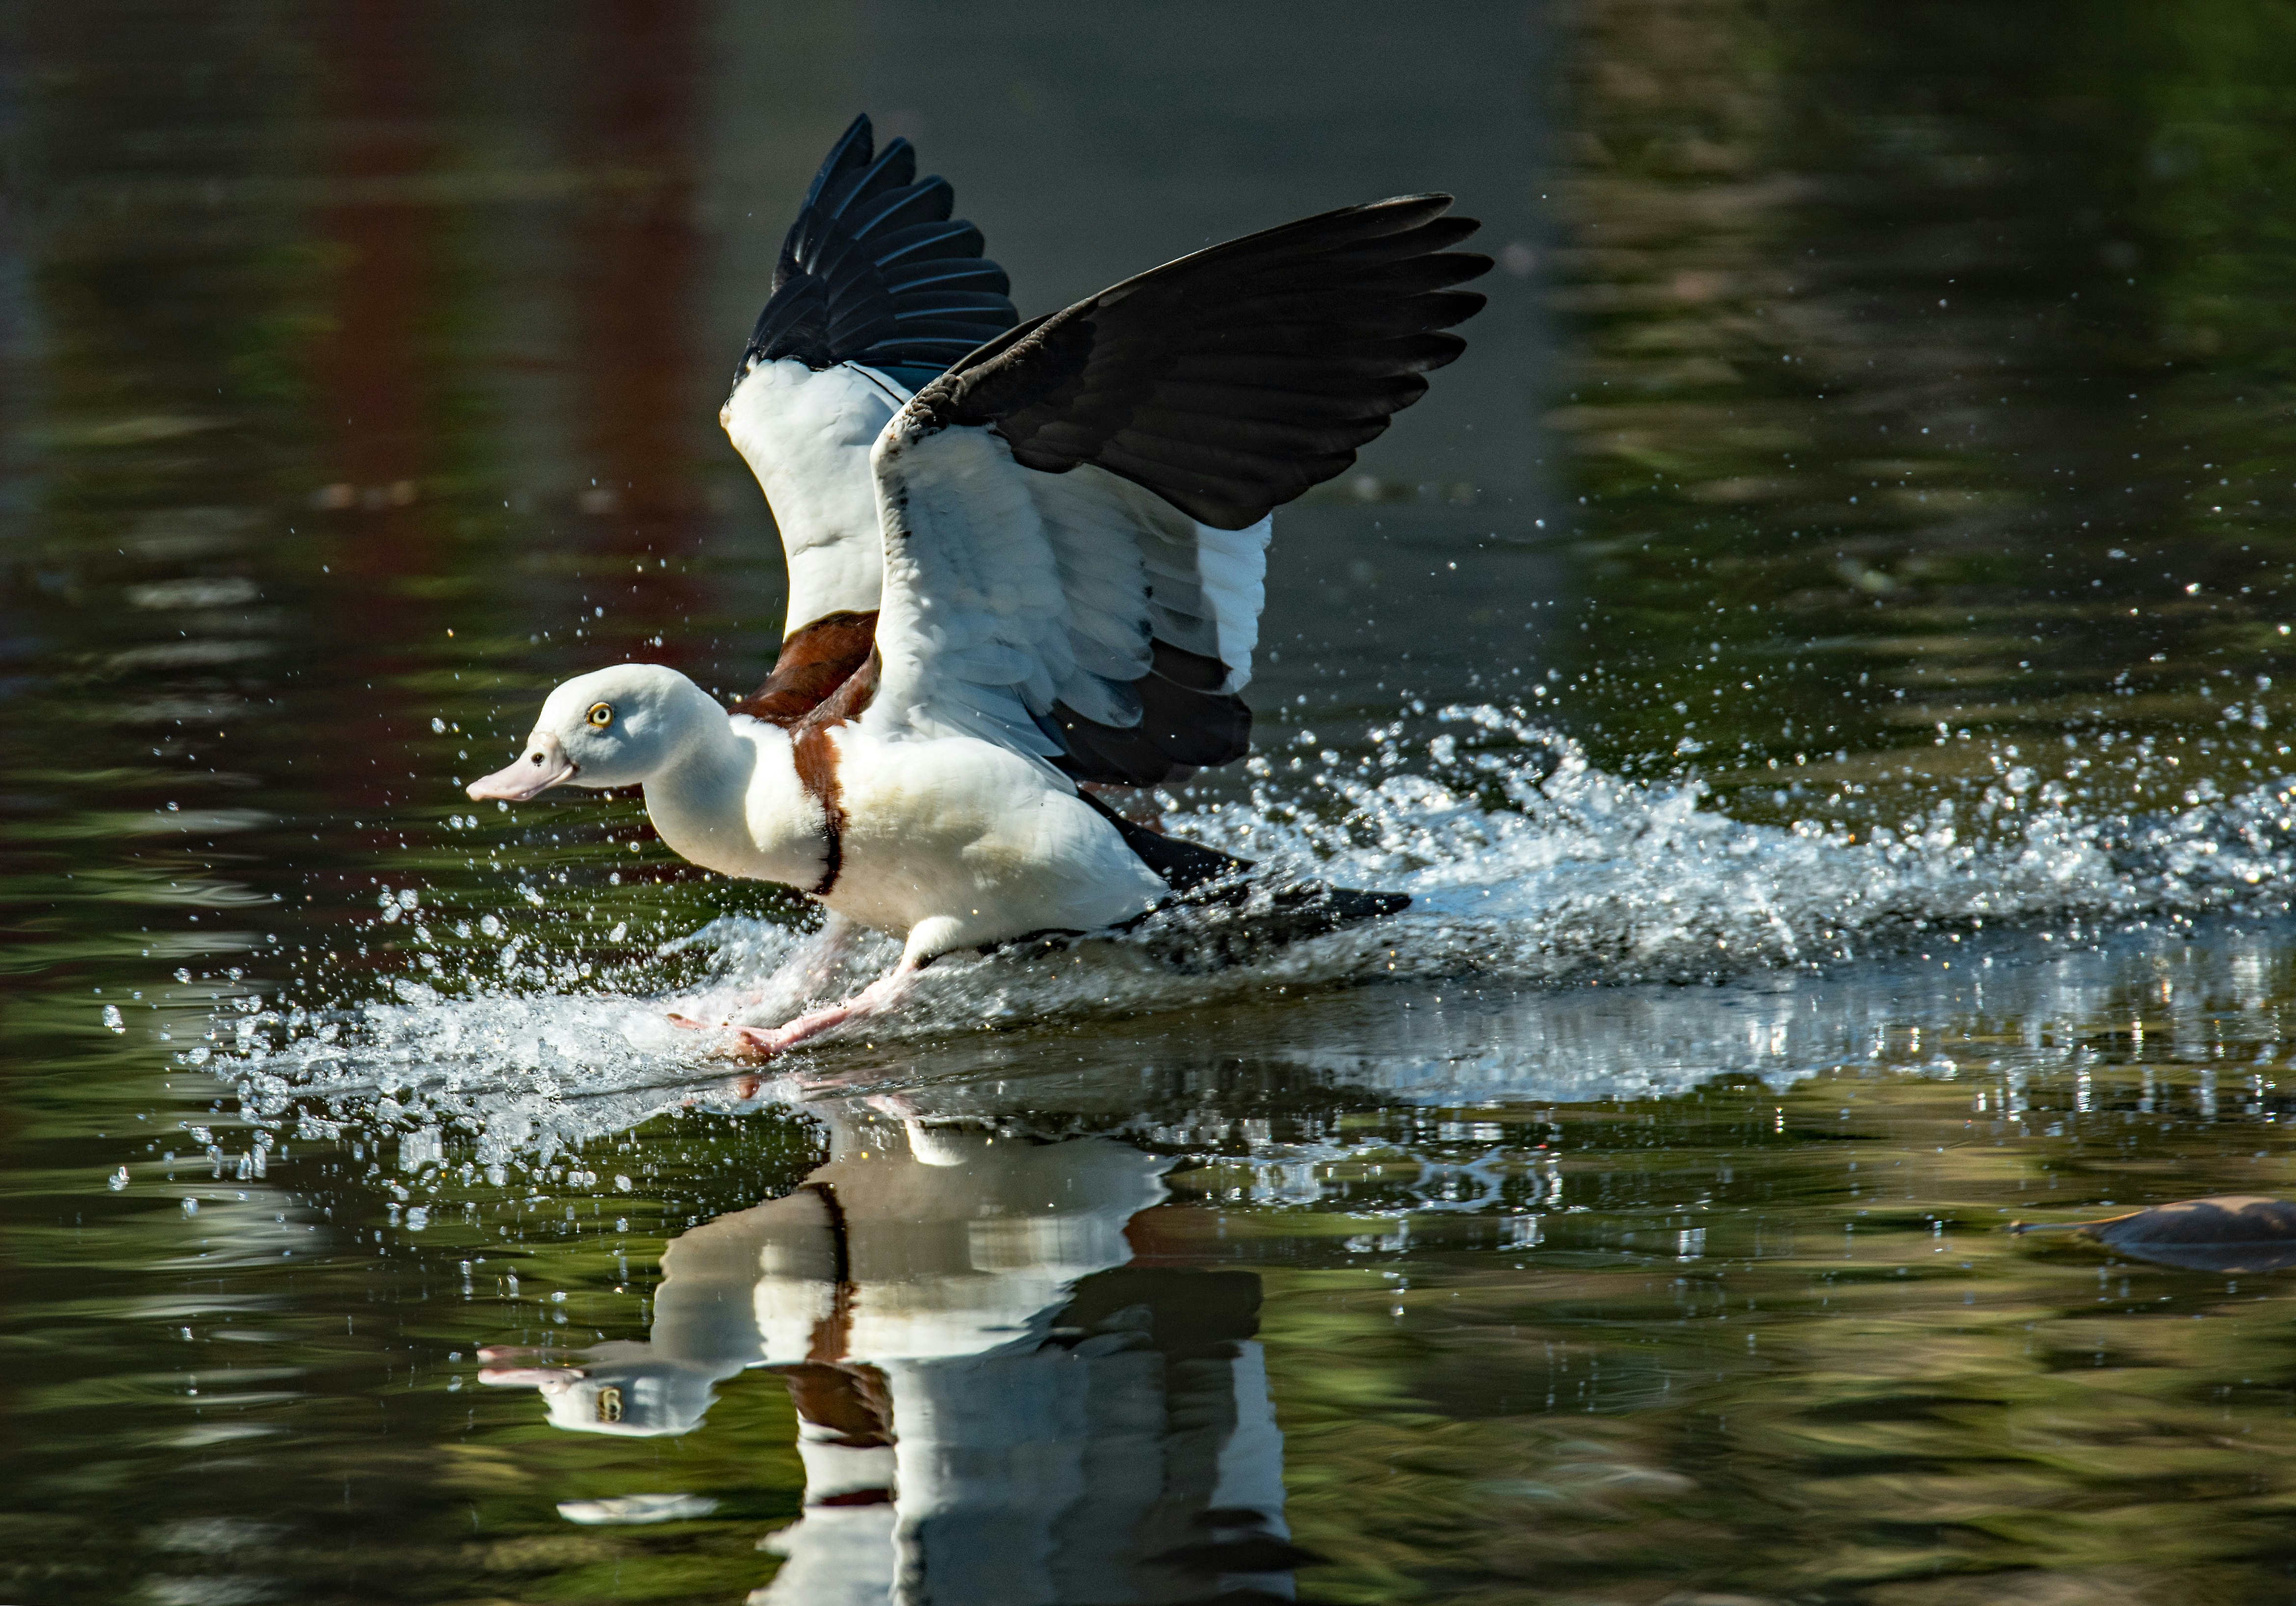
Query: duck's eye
[601, 714]
[610, 1400]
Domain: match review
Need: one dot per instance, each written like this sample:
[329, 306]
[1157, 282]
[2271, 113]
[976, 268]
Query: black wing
[875, 271]
[1224, 384]
[1231, 380]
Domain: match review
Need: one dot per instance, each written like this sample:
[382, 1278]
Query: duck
[1062, 556]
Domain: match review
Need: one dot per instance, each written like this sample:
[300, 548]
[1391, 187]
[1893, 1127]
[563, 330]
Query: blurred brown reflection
[376, 391]
[376, 383]
[643, 391]
[633, 269]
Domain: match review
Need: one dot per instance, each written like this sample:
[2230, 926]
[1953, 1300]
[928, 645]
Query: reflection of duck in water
[991, 1408]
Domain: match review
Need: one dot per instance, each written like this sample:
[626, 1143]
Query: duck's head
[611, 727]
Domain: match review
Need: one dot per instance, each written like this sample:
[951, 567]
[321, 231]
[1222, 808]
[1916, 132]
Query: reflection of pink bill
[627, 1510]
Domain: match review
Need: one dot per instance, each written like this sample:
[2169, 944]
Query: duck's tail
[1266, 914]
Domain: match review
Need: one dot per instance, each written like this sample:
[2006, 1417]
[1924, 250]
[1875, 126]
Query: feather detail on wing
[807, 437]
[875, 292]
[875, 271]
[1231, 380]
[973, 633]
[1075, 518]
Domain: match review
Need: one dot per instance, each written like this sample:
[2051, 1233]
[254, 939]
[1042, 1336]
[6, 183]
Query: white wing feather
[806, 436]
[1006, 590]
[974, 628]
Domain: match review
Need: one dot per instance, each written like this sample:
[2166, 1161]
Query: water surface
[1815, 663]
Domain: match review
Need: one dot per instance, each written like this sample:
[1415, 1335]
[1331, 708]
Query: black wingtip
[1239, 920]
[1348, 904]
[855, 148]
[1183, 864]
[864, 273]
[1232, 379]
[1423, 207]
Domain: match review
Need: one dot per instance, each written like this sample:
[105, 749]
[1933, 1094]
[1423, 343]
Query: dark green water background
[1883, 436]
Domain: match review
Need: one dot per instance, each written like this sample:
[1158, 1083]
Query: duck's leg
[802, 976]
[758, 1043]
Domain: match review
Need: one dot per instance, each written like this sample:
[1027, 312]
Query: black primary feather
[874, 271]
[1248, 915]
[1231, 380]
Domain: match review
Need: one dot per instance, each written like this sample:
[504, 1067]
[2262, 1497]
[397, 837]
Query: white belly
[956, 843]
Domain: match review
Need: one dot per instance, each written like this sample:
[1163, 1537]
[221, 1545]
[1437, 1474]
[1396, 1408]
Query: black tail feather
[1184, 866]
[1249, 915]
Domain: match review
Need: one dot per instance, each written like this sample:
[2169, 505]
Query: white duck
[1072, 525]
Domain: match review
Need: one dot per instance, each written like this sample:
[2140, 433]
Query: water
[1814, 664]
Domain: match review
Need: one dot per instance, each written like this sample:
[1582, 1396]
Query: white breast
[959, 842]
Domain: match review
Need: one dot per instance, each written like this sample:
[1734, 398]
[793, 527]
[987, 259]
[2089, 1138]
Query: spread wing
[874, 271]
[1074, 518]
[876, 291]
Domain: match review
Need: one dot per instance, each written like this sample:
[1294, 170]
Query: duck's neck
[699, 800]
[706, 803]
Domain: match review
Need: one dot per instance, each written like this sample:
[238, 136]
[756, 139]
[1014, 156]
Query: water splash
[1527, 865]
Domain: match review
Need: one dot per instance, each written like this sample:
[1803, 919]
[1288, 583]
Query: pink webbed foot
[803, 974]
[677, 1016]
[764, 1043]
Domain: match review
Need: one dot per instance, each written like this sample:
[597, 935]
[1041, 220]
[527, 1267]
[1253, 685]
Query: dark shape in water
[2233, 1233]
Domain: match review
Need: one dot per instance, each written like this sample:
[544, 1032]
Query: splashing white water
[1519, 874]
[1526, 864]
